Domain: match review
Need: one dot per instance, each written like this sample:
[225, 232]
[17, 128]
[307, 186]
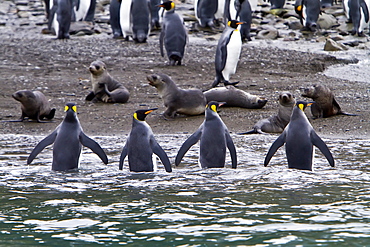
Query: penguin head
[71, 111]
[234, 23]
[97, 67]
[303, 104]
[168, 5]
[140, 115]
[214, 105]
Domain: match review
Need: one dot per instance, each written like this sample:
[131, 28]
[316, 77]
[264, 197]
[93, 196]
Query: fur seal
[34, 105]
[105, 88]
[214, 139]
[177, 100]
[276, 123]
[325, 104]
[235, 97]
[299, 138]
[141, 145]
[68, 139]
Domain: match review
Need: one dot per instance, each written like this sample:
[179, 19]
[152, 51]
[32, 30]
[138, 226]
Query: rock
[4, 8]
[326, 21]
[23, 14]
[331, 45]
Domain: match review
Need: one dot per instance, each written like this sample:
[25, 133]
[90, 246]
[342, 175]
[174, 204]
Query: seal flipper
[230, 145]
[41, 145]
[162, 155]
[51, 114]
[123, 156]
[194, 138]
[318, 142]
[90, 96]
[94, 146]
[274, 147]
[340, 112]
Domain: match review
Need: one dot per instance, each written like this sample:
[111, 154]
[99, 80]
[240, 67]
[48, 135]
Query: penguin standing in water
[308, 11]
[299, 138]
[135, 19]
[67, 139]
[357, 12]
[173, 34]
[60, 16]
[141, 145]
[227, 53]
[214, 138]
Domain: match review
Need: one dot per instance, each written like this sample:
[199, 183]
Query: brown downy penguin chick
[105, 88]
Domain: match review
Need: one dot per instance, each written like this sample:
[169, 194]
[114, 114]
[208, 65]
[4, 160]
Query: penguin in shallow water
[308, 11]
[60, 16]
[68, 139]
[135, 20]
[299, 138]
[173, 34]
[227, 53]
[141, 145]
[214, 139]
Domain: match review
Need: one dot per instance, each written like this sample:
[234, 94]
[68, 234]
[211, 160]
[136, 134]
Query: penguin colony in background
[135, 18]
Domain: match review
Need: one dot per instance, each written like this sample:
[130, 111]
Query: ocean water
[252, 205]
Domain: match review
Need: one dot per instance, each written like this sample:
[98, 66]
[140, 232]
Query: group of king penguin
[299, 136]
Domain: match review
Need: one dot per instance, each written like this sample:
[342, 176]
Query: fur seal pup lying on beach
[34, 105]
[235, 97]
[276, 123]
[177, 100]
[105, 88]
[325, 104]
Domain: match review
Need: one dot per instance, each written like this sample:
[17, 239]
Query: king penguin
[84, 10]
[205, 11]
[173, 34]
[357, 12]
[299, 138]
[227, 53]
[308, 11]
[135, 20]
[60, 16]
[214, 138]
[141, 145]
[67, 139]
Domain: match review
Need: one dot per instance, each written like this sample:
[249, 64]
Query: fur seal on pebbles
[177, 100]
[34, 105]
[276, 123]
[235, 97]
[105, 88]
[325, 104]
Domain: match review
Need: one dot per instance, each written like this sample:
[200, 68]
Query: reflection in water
[250, 205]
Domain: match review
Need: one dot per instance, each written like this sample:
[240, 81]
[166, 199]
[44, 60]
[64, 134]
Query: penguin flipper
[41, 145]
[158, 150]
[230, 145]
[94, 146]
[194, 138]
[161, 39]
[365, 9]
[123, 156]
[274, 147]
[318, 142]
